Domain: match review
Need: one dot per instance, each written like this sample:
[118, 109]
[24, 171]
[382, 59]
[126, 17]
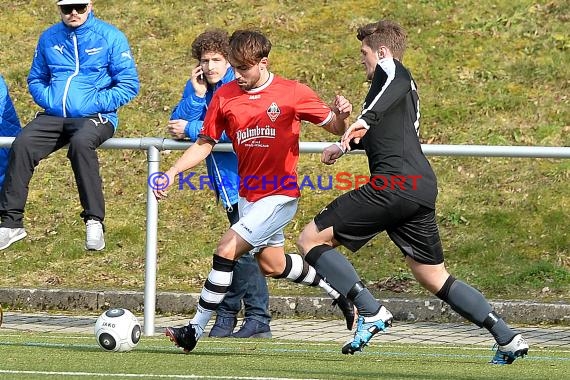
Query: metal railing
[153, 146]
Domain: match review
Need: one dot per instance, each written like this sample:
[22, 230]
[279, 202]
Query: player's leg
[230, 248]
[419, 240]
[275, 263]
[263, 226]
[373, 317]
[351, 220]
[258, 222]
[249, 285]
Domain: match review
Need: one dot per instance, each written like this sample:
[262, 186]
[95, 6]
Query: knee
[272, 267]
[267, 270]
[431, 280]
[311, 237]
[21, 144]
[306, 239]
[79, 145]
[225, 252]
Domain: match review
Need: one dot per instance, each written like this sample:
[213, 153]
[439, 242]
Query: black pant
[42, 136]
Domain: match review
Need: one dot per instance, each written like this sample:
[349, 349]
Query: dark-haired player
[261, 113]
[387, 129]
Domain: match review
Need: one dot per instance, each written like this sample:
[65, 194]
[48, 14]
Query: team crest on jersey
[273, 111]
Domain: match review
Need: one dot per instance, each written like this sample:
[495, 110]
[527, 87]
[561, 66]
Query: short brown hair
[384, 33]
[211, 41]
[248, 47]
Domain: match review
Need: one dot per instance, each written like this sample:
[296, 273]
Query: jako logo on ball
[117, 330]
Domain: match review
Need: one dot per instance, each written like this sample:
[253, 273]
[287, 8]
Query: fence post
[153, 157]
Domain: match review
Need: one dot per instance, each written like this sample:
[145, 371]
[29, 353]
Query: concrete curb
[410, 310]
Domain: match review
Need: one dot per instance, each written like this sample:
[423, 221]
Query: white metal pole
[151, 244]
[317, 147]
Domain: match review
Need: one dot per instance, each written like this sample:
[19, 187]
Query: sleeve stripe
[389, 68]
[327, 120]
[208, 138]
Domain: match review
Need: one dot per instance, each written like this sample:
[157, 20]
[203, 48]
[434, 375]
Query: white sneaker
[10, 235]
[95, 240]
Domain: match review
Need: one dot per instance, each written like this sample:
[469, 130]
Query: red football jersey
[264, 126]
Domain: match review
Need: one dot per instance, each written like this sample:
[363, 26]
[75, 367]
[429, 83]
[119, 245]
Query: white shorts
[261, 223]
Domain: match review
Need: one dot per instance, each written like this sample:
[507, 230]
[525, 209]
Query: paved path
[307, 329]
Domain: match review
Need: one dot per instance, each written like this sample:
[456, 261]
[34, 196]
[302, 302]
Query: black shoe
[183, 337]
[348, 310]
[253, 329]
[223, 327]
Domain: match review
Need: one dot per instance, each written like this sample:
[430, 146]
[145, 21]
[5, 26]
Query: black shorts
[361, 214]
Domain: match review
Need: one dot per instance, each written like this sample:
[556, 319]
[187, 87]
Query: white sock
[298, 266]
[218, 280]
[200, 320]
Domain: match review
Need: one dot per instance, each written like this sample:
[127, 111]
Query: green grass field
[57, 356]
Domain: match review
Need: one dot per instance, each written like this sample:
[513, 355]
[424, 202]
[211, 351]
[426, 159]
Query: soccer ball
[117, 330]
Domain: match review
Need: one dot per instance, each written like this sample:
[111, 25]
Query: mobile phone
[201, 76]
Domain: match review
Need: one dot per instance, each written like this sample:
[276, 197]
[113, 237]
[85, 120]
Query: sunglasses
[68, 9]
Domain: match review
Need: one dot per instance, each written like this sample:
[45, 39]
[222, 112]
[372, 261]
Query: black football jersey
[395, 158]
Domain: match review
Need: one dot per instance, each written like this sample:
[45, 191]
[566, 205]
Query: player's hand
[355, 132]
[176, 128]
[342, 107]
[199, 81]
[161, 184]
[331, 154]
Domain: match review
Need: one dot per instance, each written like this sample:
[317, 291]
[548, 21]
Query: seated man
[82, 72]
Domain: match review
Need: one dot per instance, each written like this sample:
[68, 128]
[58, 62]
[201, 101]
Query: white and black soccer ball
[117, 330]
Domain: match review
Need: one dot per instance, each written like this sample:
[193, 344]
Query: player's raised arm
[341, 109]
